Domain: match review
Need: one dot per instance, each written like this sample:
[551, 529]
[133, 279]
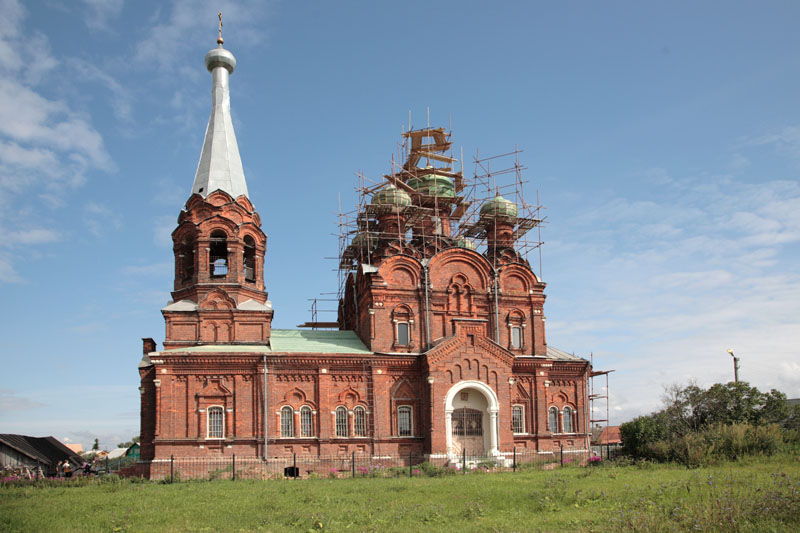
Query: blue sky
[664, 140]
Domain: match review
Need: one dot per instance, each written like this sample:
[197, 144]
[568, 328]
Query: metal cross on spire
[220, 39]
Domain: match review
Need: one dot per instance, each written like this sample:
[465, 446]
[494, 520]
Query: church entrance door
[468, 432]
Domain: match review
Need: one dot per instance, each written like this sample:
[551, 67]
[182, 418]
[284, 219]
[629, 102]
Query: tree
[96, 445]
[130, 443]
[690, 409]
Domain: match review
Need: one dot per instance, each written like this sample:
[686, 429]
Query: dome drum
[463, 242]
[364, 241]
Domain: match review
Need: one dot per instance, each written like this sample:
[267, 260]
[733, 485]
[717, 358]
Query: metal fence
[110, 466]
[353, 465]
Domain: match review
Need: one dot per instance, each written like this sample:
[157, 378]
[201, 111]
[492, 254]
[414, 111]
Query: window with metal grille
[568, 420]
[404, 421]
[359, 422]
[516, 337]
[216, 419]
[553, 419]
[306, 421]
[402, 333]
[518, 419]
[341, 422]
[467, 422]
[287, 422]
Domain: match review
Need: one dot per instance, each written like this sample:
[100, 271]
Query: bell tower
[218, 295]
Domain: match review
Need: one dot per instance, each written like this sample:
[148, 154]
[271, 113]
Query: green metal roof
[316, 341]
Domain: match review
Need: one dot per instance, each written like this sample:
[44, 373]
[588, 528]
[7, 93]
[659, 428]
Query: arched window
[518, 419]
[402, 319]
[216, 422]
[341, 422]
[552, 419]
[516, 330]
[516, 337]
[287, 422]
[402, 333]
[218, 254]
[306, 422]
[568, 420]
[249, 258]
[405, 421]
[360, 422]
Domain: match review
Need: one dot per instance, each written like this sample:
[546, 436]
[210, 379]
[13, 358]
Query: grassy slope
[600, 499]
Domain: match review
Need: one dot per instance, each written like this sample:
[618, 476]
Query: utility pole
[735, 366]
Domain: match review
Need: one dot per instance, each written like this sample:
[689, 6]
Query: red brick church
[440, 344]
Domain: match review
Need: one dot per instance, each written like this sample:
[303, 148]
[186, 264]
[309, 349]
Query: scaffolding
[443, 213]
[601, 397]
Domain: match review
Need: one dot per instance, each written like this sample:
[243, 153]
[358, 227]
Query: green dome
[463, 242]
[433, 185]
[499, 207]
[392, 196]
[364, 241]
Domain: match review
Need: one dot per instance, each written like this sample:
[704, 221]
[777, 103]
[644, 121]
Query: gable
[469, 338]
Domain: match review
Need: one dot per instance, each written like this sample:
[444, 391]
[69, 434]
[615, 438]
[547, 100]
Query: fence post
[515, 458]
[294, 465]
[233, 466]
[107, 470]
[171, 468]
[353, 463]
[561, 452]
[463, 460]
[410, 462]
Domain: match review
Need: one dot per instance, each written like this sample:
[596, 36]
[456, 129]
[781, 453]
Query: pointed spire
[220, 166]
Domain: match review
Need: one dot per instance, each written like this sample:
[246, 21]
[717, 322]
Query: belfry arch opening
[249, 258]
[186, 258]
[218, 254]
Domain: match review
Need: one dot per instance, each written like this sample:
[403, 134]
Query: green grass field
[759, 494]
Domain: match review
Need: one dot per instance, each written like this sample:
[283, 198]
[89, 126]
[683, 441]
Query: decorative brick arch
[401, 270]
[473, 266]
[217, 300]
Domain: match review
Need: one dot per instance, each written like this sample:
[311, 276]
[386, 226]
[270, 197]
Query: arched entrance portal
[471, 419]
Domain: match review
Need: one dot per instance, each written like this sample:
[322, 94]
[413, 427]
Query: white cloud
[162, 230]
[30, 236]
[785, 141]
[188, 22]
[99, 218]
[121, 98]
[99, 12]
[680, 279]
[47, 146]
[7, 272]
[154, 269]
[10, 401]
